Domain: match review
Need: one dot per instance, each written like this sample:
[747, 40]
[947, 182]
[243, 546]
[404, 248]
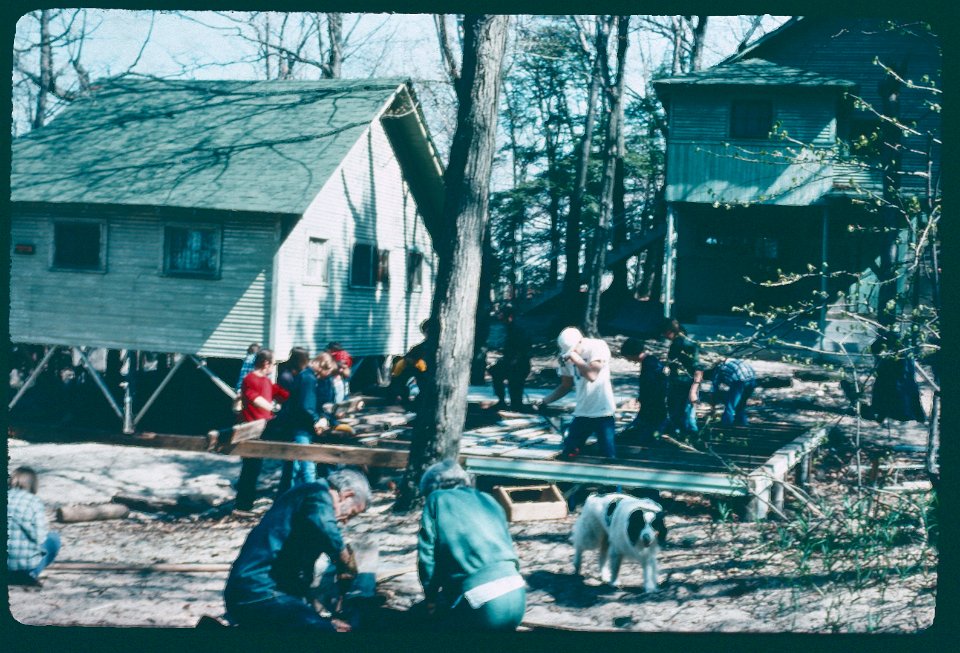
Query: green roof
[753, 72]
[266, 146]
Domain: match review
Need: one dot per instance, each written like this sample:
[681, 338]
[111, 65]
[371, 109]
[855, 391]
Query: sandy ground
[717, 574]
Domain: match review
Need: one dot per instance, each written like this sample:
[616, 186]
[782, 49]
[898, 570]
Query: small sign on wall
[24, 248]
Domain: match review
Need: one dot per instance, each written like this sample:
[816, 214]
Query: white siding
[133, 305]
[366, 200]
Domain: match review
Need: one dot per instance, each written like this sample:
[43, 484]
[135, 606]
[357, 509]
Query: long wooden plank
[607, 474]
[321, 453]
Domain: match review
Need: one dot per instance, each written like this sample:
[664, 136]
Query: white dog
[620, 526]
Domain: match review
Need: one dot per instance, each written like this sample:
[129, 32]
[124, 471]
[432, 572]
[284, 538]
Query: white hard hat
[568, 339]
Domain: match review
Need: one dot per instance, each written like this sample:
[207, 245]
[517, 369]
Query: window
[78, 246]
[318, 261]
[414, 271]
[370, 266]
[751, 118]
[192, 251]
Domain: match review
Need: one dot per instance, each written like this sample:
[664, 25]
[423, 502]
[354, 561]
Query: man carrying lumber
[258, 393]
[300, 418]
[585, 365]
[269, 582]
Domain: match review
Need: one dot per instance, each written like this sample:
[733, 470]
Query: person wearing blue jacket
[466, 561]
[298, 419]
[270, 579]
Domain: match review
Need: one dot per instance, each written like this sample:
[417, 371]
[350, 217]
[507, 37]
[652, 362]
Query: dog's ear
[660, 526]
[611, 508]
[634, 525]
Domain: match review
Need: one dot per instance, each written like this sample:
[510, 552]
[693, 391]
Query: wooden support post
[217, 381]
[33, 376]
[99, 381]
[803, 471]
[130, 390]
[156, 393]
[776, 494]
[669, 259]
[758, 505]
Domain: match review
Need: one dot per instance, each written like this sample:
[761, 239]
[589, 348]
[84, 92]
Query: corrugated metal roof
[231, 145]
[753, 72]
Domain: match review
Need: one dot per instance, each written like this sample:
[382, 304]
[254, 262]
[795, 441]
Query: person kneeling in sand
[31, 545]
[465, 557]
[270, 579]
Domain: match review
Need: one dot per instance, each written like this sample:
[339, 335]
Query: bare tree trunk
[650, 284]
[488, 266]
[46, 70]
[696, 48]
[571, 279]
[335, 52]
[620, 287]
[614, 91]
[441, 415]
[677, 44]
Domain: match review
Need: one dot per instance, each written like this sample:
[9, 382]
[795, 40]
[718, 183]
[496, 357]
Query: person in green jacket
[466, 561]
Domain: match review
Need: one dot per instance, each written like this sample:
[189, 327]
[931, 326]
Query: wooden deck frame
[526, 453]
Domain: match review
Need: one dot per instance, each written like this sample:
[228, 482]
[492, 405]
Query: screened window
[192, 251]
[318, 261]
[78, 245]
[370, 267]
[751, 118]
[414, 271]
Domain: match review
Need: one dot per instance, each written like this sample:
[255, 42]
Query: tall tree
[48, 69]
[613, 88]
[458, 242]
[571, 279]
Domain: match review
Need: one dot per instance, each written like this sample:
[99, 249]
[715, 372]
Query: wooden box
[531, 502]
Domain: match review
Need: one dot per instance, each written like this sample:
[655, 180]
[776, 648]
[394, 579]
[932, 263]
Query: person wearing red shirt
[258, 392]
[342, 378]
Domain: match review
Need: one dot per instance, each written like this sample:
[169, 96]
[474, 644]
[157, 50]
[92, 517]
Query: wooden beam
[618, 472]
[183, 567]
[33, 376]
[321, 453]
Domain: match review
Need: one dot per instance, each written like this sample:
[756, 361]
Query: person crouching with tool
[269, 582]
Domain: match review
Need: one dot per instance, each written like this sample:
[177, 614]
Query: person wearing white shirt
[585, 368]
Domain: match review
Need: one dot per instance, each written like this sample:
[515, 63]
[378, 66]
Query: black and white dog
[620, 526]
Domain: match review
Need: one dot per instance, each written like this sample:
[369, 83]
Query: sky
[403, 45]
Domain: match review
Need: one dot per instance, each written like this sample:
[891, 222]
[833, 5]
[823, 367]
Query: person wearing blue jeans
[585, 367]
[686, 375]
[299, 418]
[31, 545]
[270, 580]
[734, 382]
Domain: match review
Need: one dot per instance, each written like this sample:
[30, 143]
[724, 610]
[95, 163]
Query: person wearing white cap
[585, 366]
